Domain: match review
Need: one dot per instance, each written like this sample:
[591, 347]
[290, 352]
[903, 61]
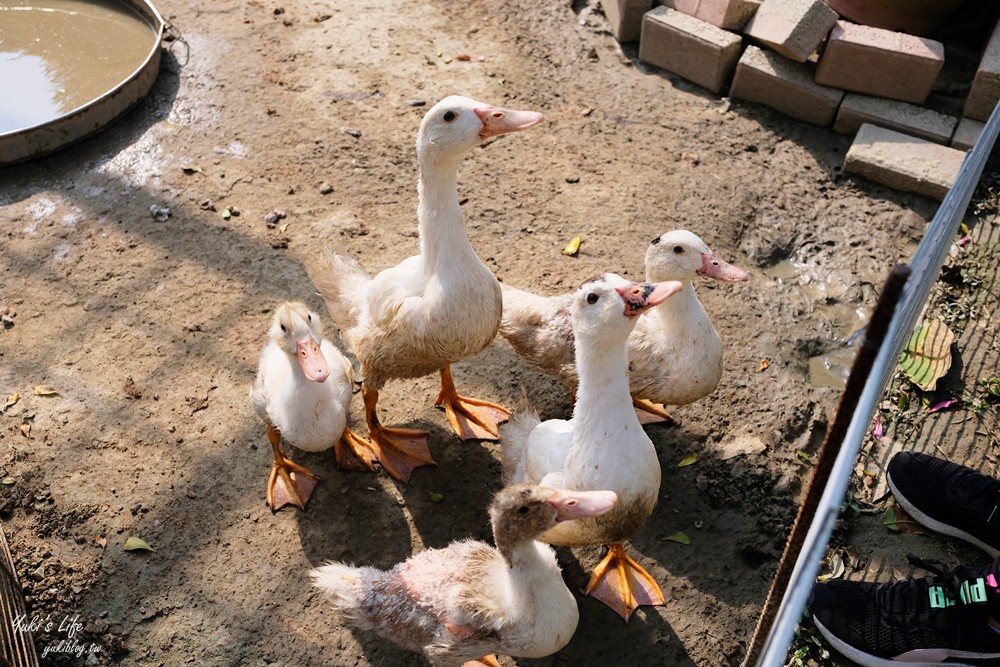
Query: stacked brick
[800, 58]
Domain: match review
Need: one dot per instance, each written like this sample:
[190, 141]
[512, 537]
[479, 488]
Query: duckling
[675, 354]
[298, 396]
[470, 599]
[603, 446]
[434, 308]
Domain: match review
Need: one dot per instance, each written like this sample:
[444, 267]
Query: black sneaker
[948, 498]
[939, 620]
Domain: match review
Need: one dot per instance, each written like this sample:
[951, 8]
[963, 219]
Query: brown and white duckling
[675, 354]
[603, 446]
[432, 309]
[303, 392]
[469, 599]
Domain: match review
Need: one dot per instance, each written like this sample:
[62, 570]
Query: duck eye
[655, 241]
[523, 509]
[284, 328]
[592, 298]
[449, 116]
[678, 250]
[309, 317]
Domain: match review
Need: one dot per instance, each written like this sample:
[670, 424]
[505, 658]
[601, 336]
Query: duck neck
[521, 554]
[603, 391]
[677, 311]
[441, 224]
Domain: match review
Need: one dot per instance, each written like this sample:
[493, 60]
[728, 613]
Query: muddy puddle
[845, 323]
[60, 55]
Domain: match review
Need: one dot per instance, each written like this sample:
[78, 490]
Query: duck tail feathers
[340, 280]
[345, 587]
[514, 436]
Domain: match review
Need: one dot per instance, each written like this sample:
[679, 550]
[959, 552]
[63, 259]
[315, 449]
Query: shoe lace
[952, 582]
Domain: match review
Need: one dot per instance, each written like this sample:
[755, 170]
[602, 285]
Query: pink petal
[943, 405]
[878, 432]
[964, 242]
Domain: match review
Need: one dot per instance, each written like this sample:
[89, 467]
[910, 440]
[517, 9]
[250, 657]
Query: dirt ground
[151, 331]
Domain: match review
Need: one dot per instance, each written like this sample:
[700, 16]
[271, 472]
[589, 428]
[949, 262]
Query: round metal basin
[71, 68]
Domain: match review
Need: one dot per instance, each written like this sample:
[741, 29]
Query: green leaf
[679, 537]
[137, 544]
[688, 460]
[803, 455]
[226, 213]
[192, 170]
[889, 520]
[7, 481]
[436, 497]
[927, 356]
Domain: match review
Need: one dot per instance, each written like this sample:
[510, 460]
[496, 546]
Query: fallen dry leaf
[26, 430]
[131, 390]
[572, 247]
[687, 460]
[11, 400]
[137, 544]
[45, 390]
[101, 541]
[764, 363]
[927, 356]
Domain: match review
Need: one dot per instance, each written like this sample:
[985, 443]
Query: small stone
[351, 131]
[234, 211]
[572, 179]
[416, 103]
[159, 213]
[325, 188]
[207, 205]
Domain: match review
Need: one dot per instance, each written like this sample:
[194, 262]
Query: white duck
[675, 354]
[434, 308]
[303, 392]
[603, 446]
[470, 599]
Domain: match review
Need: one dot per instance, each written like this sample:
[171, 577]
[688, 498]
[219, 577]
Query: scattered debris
[7, 315]
[272, 218]
[207, 205]
[351, 131]
[132, 391]
[11, 401]
[159, 213]
[193, 170]
[45, 390]
[764, 365]
[416, 103]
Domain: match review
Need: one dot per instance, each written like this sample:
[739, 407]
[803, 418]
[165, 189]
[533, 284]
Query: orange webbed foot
[622, 584]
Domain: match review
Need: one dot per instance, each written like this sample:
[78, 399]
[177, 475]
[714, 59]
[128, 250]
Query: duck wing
[540, 331]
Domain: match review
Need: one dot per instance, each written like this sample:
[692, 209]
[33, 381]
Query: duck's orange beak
[713, 267]
[640, 297]
[579, 504]
[311, 359]
[497, 120]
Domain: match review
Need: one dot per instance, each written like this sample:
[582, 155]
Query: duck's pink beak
[579, 504]
[311, 359]
[640, 297]
[498, 121]
[713, 267]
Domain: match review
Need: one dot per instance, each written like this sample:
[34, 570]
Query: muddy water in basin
[59, 55]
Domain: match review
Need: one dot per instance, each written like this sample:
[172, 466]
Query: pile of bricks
[801, 58]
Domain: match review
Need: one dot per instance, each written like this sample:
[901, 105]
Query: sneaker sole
[937, 526]
[868, 660]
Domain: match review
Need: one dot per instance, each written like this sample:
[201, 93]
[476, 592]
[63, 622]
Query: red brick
[625, 17]
[785, 85]
[725, 14]
[689, 47]
[880, 62]
[985, 90]
[903, 162]
[857, 110]
[793, 28]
